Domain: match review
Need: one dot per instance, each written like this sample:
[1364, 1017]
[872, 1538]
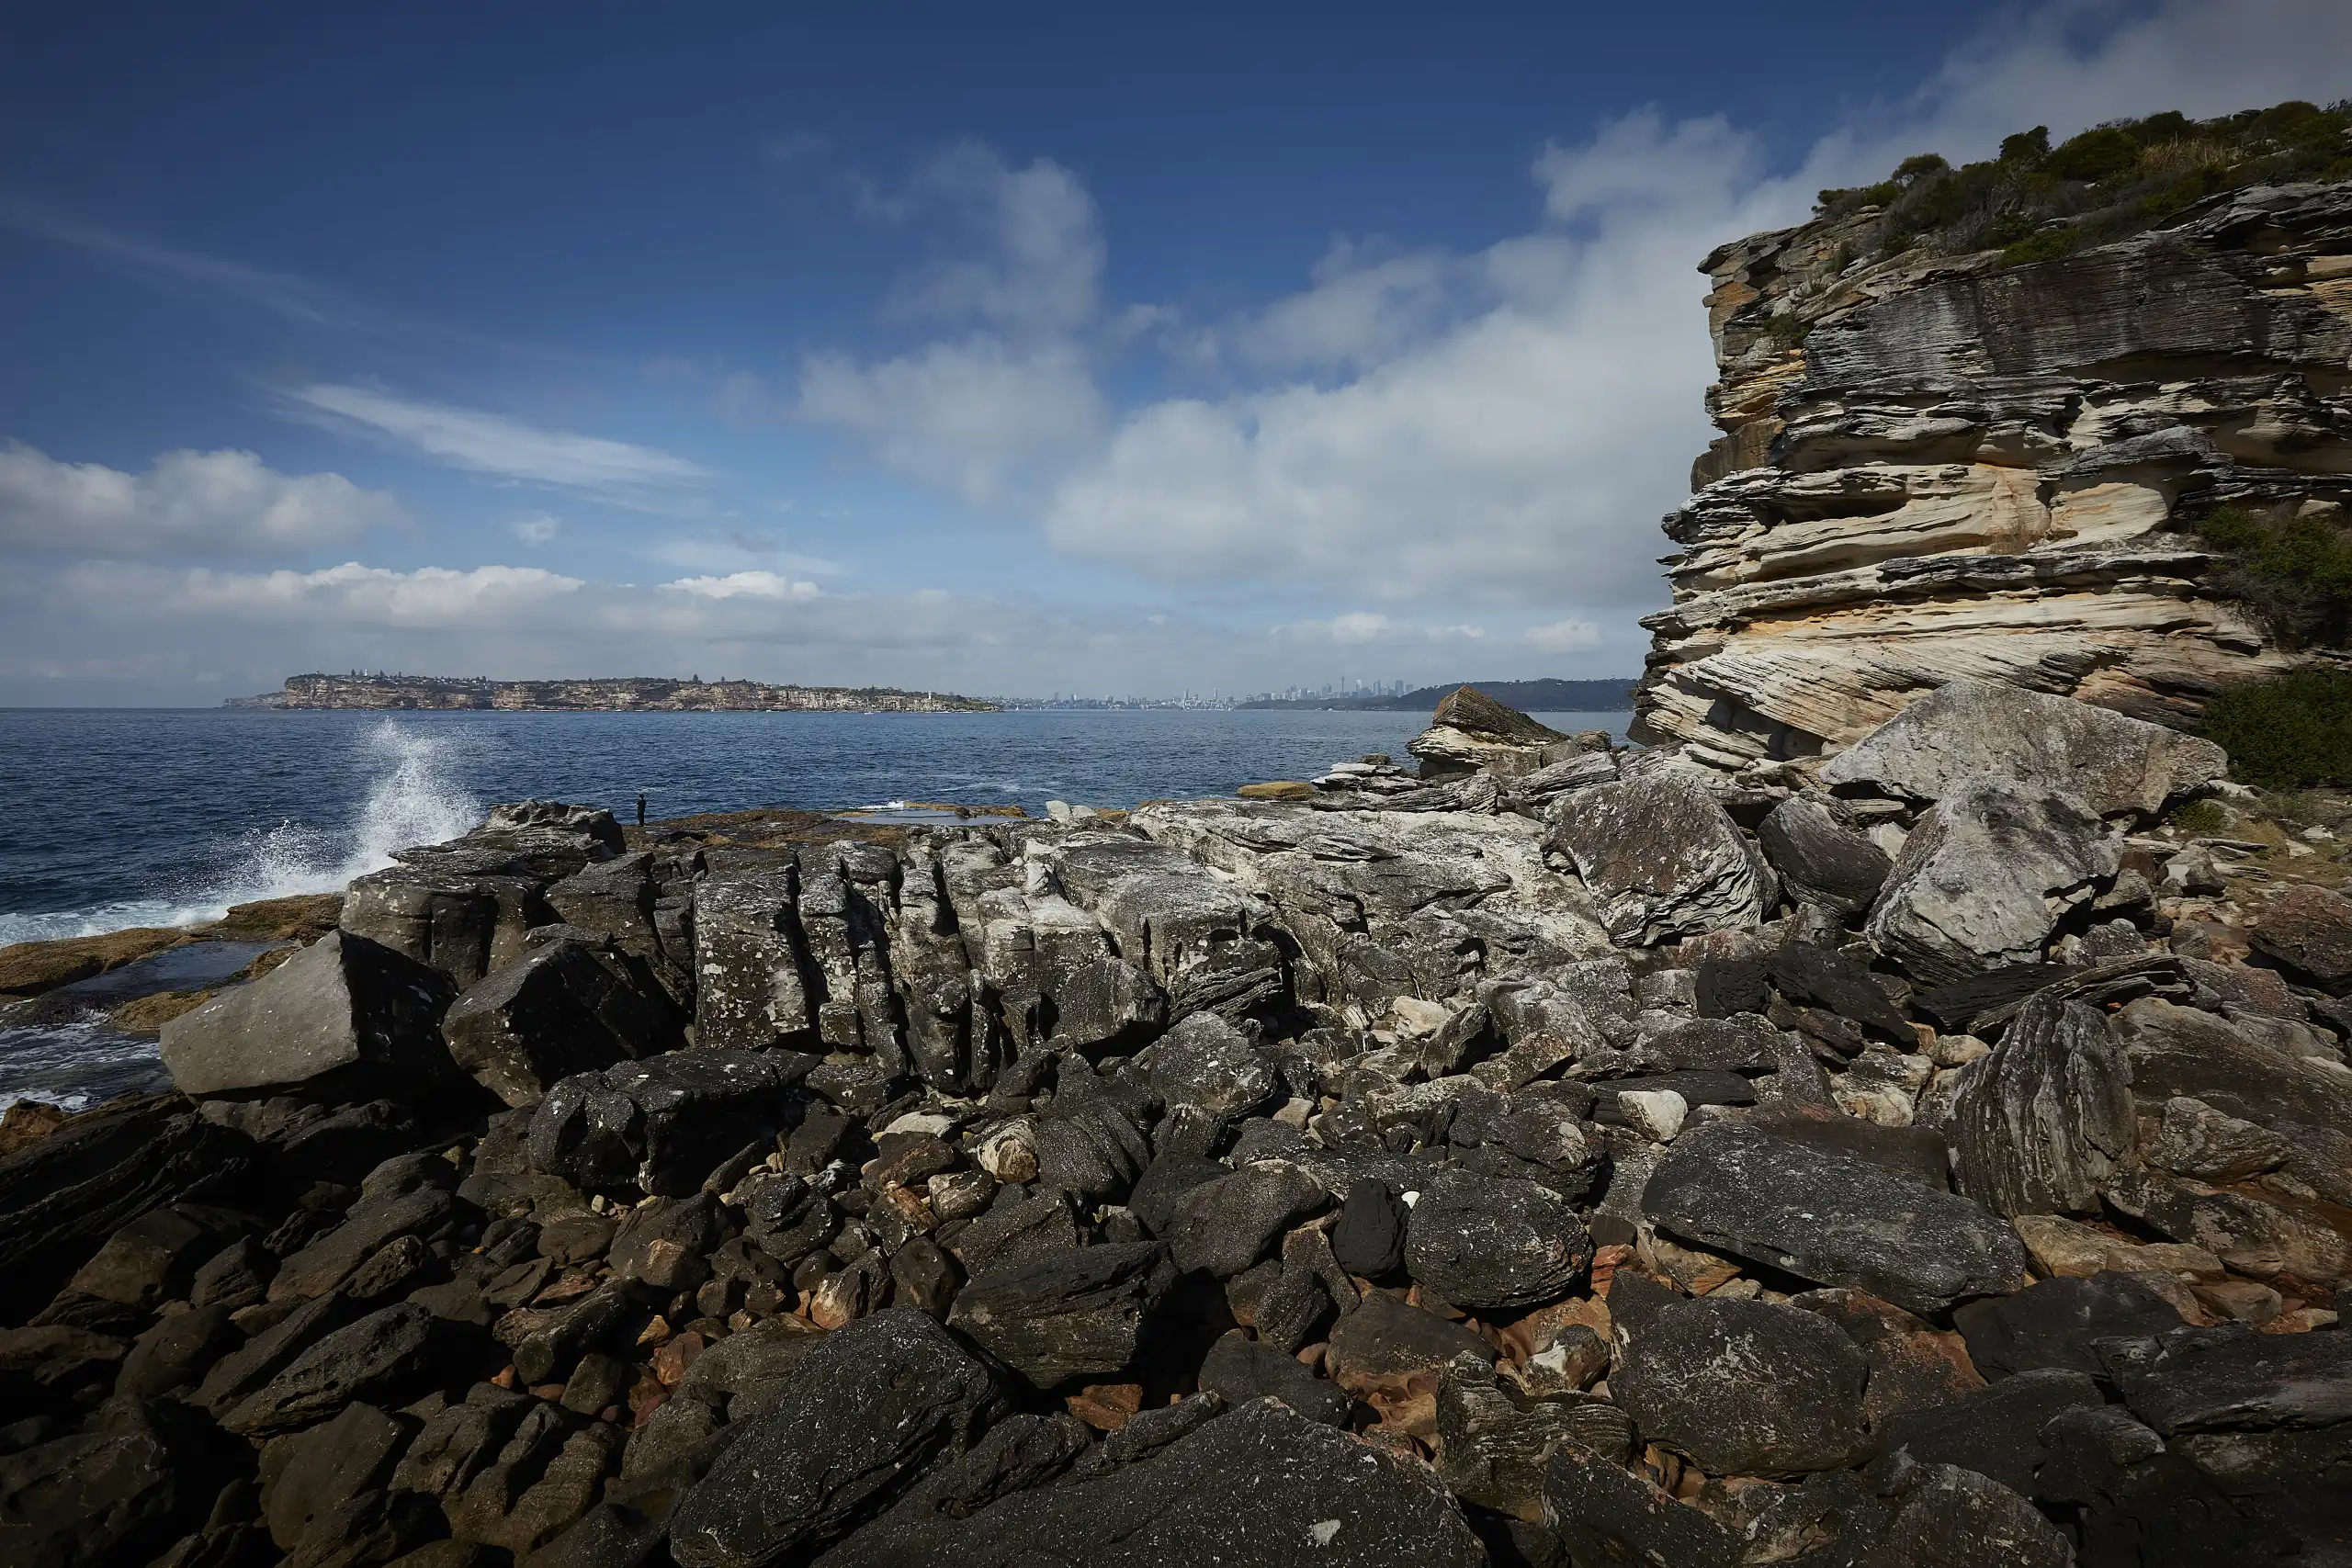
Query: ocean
[117, 818]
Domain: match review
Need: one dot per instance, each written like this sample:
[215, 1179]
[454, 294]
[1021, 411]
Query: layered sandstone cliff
[1941, 466]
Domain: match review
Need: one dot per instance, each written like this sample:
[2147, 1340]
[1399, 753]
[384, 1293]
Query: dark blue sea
[116, 818]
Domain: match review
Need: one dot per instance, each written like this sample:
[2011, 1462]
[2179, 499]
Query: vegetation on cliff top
[2293, 732]
[2293, 565]
[2036, 202]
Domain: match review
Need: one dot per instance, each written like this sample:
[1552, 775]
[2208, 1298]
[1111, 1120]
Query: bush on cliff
[2294, 567]
[2288, 733]
[2110, 182]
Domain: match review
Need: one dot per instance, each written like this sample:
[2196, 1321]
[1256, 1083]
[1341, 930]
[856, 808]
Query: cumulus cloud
[484, 443]
[1010, 398]
[745, 585]
[186, 502]
[430, 596]
[1363, 628]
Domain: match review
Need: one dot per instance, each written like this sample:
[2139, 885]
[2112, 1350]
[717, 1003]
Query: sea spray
[413, 797]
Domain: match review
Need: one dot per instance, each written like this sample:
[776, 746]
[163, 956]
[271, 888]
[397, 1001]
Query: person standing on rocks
[640, 808]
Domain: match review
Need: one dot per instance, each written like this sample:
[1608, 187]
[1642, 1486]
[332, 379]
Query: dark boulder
[751, 991]
[1080, 1313]
[1816, 976]
[177, 1351]
[345, 1017]
[560, 1010]
[1475, 1241]
[1821, 861]
[1831, 1218]
[2182, 1380]
[1205, 1062]
[1259, 1485]
[1369, 1239]
[388, 1357]
[311, 1479]
[662, 1242]
[2058, 1323]
[1224, 1226]
[1017, 1454]
[1743, 1387]
[2039, 1125]
[117, 1492]
[1661, 857]
[863, 1417]
[2310, 929]
[1994, 1431]
[1238, 1370]
[60, 1196]
[662, 1125]
[154, 1258]
[1392, 1356]
[1607, 1514]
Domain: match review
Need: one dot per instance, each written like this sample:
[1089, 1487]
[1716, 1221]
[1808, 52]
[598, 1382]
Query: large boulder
[1662, 857]
[1607, 1514]
[1832, 1217]
[1983, 877]
[2309, 928]
[1971, 732]
[562, 1008]
[1482, 1243]
[1470, 731]
[1205, 1062]
[661, 1125]
[1743, 1387]
[1821, 861]
[1226, 1224]
[2039, 1125]
[1083, 1312]
[2228, 1098]
[345, 1017]
[388, 1357]
[751, 963]
[864, 1417]
[114, 1492]
[1262, 1485]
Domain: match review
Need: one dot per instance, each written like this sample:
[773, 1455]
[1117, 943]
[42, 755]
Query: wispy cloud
[280, 293]
[484, 443]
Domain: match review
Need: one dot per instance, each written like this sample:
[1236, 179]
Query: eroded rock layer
[1941, 467]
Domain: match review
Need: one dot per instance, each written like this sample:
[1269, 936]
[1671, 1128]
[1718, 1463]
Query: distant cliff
[2077, 419]
[634, 693]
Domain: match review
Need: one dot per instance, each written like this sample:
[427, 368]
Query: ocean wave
[413, 797]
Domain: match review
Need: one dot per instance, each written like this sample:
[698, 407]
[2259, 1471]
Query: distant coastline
[638, 693]
[1528, 696]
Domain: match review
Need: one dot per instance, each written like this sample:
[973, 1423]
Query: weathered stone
[2058, 1322]
[345, 1017]
[308, 1478]
[114, 1492]
[1392, 1356]
[1238, 1370]
[1606, 1513]
[559, 1009]
[1226, 1224]
[1971, 731]
[2309, 928]
[1820, 860]
[1471, 732]
[386, 1357]
[1978, 880]
[1817, 977]
[1662, 857]
[2175, 1052]
[1207, 1498]
[1477, 1242]
[1205, 1062]
[325, 1263]
[863, 1417]
[1912, 1365]
[2197, 1140]
[1995, 1431]
[661, 1125]
[2041, 1124]
[1369, 1239]
[177, 1351]
[662, 1241]
[1079, 1314]
[1743, 1387]
[1492, 1448]
[1831, 1217]
[751, 989]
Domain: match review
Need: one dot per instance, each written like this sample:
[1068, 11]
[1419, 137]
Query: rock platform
[1561, 1155]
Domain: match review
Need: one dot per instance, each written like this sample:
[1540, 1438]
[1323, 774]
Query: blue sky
[1005, 349]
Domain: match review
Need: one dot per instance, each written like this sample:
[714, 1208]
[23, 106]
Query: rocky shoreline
[1551, 1154]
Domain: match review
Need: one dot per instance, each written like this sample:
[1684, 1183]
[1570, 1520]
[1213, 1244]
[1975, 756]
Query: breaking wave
[414, 796]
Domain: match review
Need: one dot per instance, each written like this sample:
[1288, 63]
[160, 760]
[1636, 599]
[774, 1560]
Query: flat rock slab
[1262, 1486]
[1073, 1314]
[1972, 730]
[343, 1012]
[1832, 1218]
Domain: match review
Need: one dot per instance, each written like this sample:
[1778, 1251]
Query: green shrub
[1786, 331]
[2199, 819]
[2293, 732]
[2048, 245]
[2026, 146]
[2096, 155]
[2296, 570]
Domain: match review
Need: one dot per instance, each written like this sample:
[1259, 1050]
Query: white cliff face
[1967, 469]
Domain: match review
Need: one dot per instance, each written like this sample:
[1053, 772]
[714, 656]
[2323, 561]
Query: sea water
[111, 817]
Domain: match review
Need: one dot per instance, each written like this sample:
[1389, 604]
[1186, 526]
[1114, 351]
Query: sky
[1010, 350]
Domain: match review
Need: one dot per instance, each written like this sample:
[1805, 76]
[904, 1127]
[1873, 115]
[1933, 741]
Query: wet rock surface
[1437, 1170]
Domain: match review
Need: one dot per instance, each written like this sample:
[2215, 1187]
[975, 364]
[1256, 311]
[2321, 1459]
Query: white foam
[414, 798]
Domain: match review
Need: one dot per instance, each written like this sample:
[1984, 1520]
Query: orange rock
[676, 1354]
[1106, 1407]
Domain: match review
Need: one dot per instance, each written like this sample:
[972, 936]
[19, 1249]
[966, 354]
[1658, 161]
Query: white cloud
[1360, 628]
[297, 299]
[537, 529]
[990, 412]
[430, 596]
[745, 585]
[485, 442]
[188, 502]
[1564, 636]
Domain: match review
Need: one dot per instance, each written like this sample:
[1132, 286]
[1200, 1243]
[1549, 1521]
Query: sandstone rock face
[1972, 470]
[1470, 731]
